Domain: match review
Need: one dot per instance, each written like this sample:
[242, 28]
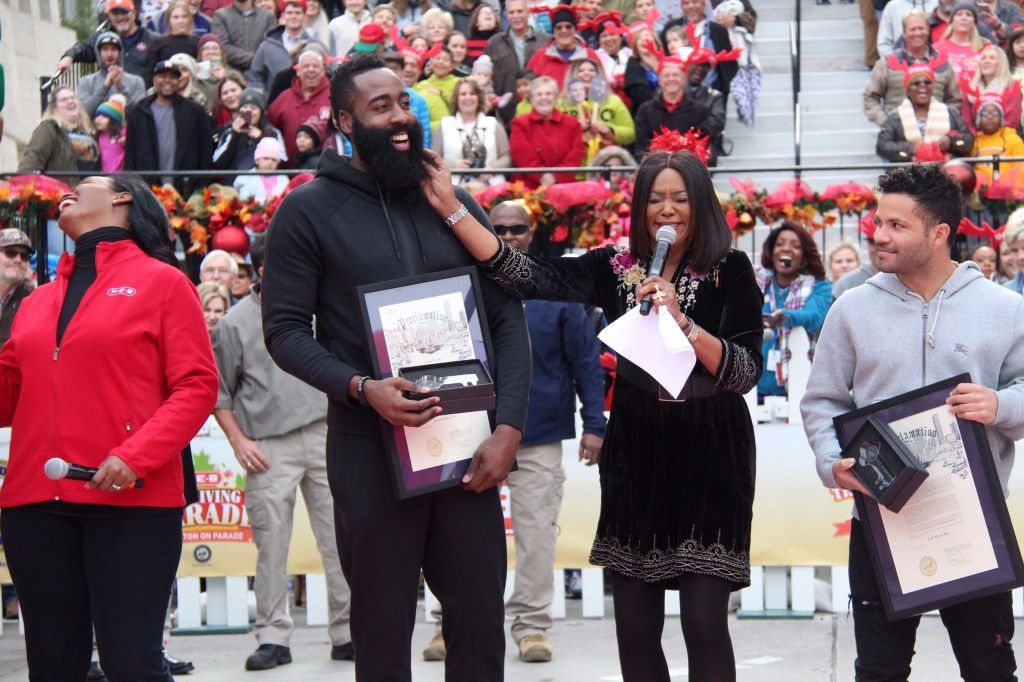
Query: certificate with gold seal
[428, 320]
[952, 541]
[446, 439]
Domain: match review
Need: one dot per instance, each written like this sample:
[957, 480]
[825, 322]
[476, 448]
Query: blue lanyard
[774, 305]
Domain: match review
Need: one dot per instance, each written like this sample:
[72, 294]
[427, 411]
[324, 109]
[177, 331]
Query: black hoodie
[340, 231]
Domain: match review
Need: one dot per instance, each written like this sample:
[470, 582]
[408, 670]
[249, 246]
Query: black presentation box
[884, 464]
[457, 395]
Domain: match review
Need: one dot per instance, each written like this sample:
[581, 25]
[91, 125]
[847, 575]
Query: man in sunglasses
[565, 364]
[15, 252]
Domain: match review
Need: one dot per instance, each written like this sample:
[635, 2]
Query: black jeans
[456, 537]
[979, 630]
[74, 573]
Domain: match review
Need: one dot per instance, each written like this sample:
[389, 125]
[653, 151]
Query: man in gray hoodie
[111, 78]
[920, 320]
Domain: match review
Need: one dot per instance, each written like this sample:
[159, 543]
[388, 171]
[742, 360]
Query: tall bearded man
[362, 221]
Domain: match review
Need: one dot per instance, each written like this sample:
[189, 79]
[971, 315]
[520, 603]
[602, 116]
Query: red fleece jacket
[134, 377]
[291, 109]
[546, 142]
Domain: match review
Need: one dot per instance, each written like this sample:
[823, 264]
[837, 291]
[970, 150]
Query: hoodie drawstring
[391, 227]
[416, 233]
[387, 217]
[930, 336]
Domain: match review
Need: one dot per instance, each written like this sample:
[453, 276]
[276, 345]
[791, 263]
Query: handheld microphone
[666, 237]
[56, 469]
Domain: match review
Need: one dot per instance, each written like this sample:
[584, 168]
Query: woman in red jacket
[110, 367]
[545, 137]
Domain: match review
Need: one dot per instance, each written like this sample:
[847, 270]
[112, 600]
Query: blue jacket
[1016, 284]
[565, 364]
[810, 317]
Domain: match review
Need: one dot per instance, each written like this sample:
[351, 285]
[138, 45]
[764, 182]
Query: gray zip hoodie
[92, 89]
[880, 340]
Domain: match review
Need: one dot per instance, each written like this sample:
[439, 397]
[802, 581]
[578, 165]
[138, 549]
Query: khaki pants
[869, 18]
[297, 460]
[536, 497]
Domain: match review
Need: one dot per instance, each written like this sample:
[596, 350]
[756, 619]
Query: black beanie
[563, 15]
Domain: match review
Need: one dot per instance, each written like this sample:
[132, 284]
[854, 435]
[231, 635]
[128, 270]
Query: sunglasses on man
[517, 229]
[12, 253]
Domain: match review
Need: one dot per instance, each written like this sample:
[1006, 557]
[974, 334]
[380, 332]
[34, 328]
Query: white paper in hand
[655, 344]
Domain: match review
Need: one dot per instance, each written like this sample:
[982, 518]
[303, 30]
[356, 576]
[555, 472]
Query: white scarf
[936, 124]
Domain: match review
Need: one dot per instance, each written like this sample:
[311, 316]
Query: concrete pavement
[818, 649]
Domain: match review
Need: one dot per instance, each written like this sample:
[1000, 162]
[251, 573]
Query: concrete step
[812, 102]
[776, 11]
[823, 102]
[813, 78]
[779, 122]
[810, 30]
[812, 48]
[764, 158]
[836, 142]
[779, 65]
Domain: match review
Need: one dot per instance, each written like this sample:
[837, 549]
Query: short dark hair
[343, 84]
[256, 252]
[936, 195]
[708, 236]
[813, 264]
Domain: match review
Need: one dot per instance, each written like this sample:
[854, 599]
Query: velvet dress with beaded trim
[677, 477]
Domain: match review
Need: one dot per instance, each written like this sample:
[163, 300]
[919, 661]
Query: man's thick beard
[396, 171]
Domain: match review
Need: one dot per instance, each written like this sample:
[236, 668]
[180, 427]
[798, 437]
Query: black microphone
[666, 237]
[56, 469]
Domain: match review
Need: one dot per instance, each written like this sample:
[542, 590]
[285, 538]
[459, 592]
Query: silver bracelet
[457, 216]
[360, 394]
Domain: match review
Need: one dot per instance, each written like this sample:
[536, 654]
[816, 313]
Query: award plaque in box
[462, 386]
[885, 466]
[433, 320]
[953, 540]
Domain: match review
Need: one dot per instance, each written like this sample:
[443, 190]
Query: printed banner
[216, 534]
[797, 522]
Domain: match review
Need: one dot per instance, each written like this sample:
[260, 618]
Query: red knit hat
[918, 69]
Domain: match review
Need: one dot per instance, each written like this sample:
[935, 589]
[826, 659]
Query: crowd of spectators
[202, 85]
[946, 81]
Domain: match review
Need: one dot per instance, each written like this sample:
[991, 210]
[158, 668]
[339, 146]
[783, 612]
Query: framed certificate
[952, 541]
[428, 320]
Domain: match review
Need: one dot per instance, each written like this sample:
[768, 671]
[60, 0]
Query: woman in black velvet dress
[677, 472]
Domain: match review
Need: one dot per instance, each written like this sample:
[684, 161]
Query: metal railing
[880, 165]
[794, 66]
[70, 78]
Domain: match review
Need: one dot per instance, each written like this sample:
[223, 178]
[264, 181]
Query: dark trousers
[77, 573]
[979, 630]
[456, 537]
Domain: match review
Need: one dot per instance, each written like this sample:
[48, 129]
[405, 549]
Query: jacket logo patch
[960, 348]
[121, 291]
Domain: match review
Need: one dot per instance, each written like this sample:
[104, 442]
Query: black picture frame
[408, 290]
[1009, 571]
